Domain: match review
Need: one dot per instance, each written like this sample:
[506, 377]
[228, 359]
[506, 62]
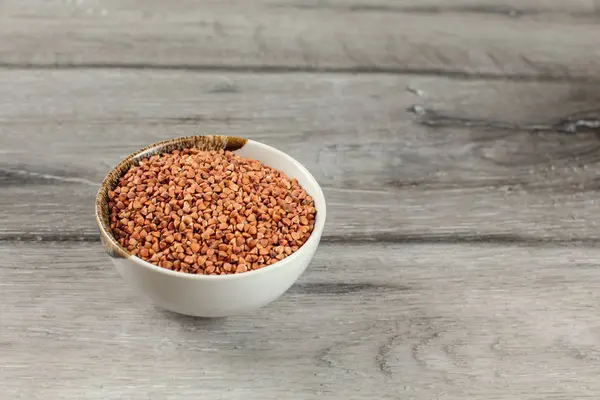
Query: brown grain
[209, 212]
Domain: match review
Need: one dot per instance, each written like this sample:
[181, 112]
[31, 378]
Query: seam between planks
[277, 69]
[354, 239]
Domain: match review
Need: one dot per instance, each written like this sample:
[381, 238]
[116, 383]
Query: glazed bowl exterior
[213, 295]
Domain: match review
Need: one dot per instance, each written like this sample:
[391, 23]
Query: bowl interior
[242, 147]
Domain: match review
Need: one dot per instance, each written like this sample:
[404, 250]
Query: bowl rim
[311, 242]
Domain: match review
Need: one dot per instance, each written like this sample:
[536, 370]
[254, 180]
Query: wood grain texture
[457, 143]
[459, 161]
[520, 39]
[365, 321]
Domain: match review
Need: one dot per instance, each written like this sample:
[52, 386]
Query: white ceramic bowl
[213, 295]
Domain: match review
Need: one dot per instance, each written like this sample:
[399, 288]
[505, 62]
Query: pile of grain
[209, 212]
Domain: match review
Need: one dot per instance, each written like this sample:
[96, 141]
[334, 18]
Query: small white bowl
[213, 295]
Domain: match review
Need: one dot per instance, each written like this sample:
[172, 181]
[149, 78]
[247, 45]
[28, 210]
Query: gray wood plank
[487, 160]
[365, 321]
[532, 38]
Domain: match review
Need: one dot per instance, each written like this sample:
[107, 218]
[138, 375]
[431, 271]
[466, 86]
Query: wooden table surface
[457, 145]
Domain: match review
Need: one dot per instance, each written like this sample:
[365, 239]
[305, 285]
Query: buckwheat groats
[209, 212]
